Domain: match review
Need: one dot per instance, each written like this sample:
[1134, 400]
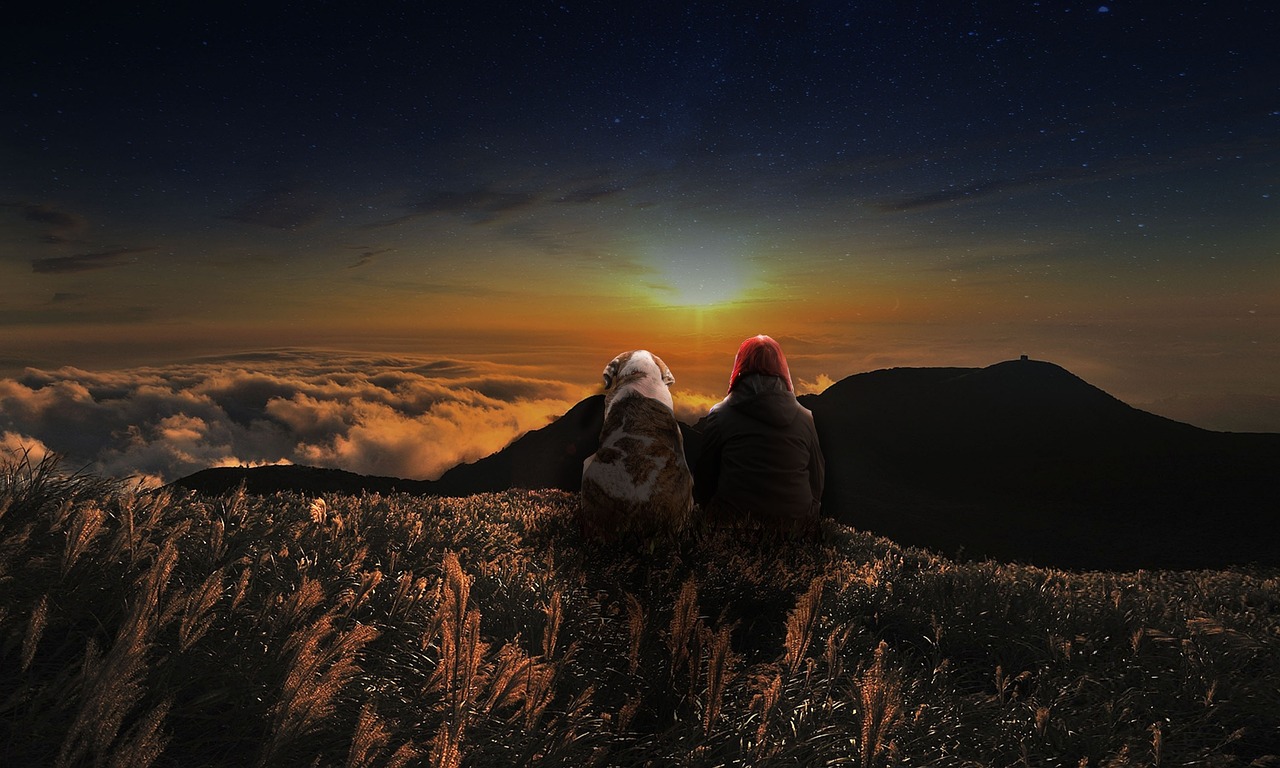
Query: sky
[389, 238]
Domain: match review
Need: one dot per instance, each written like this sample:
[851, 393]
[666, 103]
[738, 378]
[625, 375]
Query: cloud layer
[398, 417]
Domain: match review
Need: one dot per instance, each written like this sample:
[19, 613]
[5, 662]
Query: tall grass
[153, 628]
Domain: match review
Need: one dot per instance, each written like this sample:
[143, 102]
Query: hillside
[1025, 461]
[1020, 461]
[394, 630]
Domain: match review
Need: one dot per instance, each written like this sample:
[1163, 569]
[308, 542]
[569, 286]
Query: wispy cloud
[589, 194]
[479, 205]
[86, 262]
[1180, 159]
[367, 256]
[57, 225]
[77, 311]
[973, 191]
[279, 208]
[41, 213]
[494, 202]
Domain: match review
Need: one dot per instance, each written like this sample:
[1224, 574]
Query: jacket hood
[760, 355]
[764, 398]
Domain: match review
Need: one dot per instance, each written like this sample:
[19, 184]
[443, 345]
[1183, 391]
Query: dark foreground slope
[176, 629]
[1019, 461]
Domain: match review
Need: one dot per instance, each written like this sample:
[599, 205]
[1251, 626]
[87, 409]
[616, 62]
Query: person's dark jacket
[760, 461]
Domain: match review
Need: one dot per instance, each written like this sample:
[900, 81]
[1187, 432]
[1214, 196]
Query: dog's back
[638, 481]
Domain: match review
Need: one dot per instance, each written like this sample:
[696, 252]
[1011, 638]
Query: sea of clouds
[392, 416]
[395, 416]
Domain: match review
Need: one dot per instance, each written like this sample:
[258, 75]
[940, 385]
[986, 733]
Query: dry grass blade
[407, 754]
[768, 686]
[446, 749]
[369, 581]
[881, 695]
[800, 624]
[459, 675]
[85, 525]
[198, 615]
[242, 586]
[836, 641]
[145, 743]
[682, 634]
[322, 664]
[370, 739]
[635, 631]
[35, 628]
[509, 682]
[298, 607]
[112, 684]
[551, 632]
[722, 665]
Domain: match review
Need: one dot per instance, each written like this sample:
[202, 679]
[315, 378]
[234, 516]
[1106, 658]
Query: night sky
[221, 227]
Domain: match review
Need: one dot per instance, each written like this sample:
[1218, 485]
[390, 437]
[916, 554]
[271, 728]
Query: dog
[638, 482]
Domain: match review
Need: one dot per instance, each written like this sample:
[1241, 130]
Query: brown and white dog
[638, 481]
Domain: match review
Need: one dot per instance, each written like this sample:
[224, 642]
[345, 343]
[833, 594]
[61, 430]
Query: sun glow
[691, 285]
[702, 276]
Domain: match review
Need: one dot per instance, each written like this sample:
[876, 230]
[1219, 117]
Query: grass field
[166, 629]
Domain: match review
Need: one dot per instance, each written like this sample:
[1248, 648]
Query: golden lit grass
[159, 629]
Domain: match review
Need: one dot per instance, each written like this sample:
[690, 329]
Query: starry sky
[486, 193]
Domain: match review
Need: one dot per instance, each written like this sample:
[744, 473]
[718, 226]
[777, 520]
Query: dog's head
[638, 371]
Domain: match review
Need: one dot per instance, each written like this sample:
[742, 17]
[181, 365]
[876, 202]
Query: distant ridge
[275, 478]
[1020, 461]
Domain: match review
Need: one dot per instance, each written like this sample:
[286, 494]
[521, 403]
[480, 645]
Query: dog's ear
[611, 372]
[667, 377]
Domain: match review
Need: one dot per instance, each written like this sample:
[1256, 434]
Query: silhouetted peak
[1035, 373]
[587, 405]
[1035, 384]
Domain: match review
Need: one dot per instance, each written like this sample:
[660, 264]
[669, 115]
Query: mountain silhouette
[1019, 461]
[275, 478]
[550, 457]
[1024, 461]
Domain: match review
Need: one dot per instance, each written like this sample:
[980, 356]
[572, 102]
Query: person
[761, 465]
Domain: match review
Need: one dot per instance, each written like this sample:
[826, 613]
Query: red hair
[760, 354]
